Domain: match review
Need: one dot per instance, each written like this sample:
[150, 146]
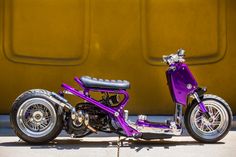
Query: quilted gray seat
[90, 82]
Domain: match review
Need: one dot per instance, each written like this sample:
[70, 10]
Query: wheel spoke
[34, 126]
[202, 126]
[216, 115]
[43, 125]
[210, 110]
[28, 120]
[216, 123]
[209, 128]
[198, 119]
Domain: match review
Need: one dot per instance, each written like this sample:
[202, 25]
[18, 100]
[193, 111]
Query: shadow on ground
[166, 144]
[70, 144]
[64, 142]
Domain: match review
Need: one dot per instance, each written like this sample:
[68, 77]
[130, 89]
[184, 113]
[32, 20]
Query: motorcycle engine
[76, 128]
[96, 118]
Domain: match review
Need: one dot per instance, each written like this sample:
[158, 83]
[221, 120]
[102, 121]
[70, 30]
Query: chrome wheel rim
[213, 127]
[36, 117]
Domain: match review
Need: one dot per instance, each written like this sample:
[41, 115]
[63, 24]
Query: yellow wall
[46, 42]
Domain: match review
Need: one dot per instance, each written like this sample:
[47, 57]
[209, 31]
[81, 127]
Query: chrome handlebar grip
[181, 52]
[174, 58]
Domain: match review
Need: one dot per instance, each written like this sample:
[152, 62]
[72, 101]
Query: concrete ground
[114, 146]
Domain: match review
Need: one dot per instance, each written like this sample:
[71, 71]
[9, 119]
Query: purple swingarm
[38, 116]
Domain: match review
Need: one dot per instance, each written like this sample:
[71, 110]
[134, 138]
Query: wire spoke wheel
[213, 127]
[36, 117]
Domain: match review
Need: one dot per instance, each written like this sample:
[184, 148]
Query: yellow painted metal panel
[196, 25]
[53, 30]
[116, 39]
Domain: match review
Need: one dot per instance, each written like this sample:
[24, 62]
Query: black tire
[206, 138]
[43, 95]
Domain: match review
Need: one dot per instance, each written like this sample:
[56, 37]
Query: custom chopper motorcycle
[38, 116]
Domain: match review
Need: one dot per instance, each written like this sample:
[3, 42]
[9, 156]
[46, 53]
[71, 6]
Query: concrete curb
[5, 120]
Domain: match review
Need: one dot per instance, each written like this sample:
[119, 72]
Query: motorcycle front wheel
[34, 118]
[203, 128]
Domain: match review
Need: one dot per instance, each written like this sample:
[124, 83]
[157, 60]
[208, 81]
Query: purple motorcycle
[38, 116]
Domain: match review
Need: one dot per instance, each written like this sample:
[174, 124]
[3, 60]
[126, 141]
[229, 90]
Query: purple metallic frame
[146, 123]
[116, 112]
[178, 80]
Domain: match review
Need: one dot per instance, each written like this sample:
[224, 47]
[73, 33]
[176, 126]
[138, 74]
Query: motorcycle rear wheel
[34, 118]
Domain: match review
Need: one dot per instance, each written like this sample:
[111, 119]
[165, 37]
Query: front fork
[198, 94]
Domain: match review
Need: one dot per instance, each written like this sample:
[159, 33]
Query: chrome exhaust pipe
[60, 101]
[64, 104]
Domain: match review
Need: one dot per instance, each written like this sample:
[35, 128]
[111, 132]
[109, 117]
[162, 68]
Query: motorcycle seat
[90, 82]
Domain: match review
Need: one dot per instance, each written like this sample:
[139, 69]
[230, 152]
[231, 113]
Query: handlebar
[174, 58]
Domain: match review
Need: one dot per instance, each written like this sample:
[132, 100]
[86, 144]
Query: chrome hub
[37, 116]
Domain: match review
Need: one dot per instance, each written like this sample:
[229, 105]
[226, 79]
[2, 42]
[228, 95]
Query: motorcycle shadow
[74, 144]
[152, 144]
